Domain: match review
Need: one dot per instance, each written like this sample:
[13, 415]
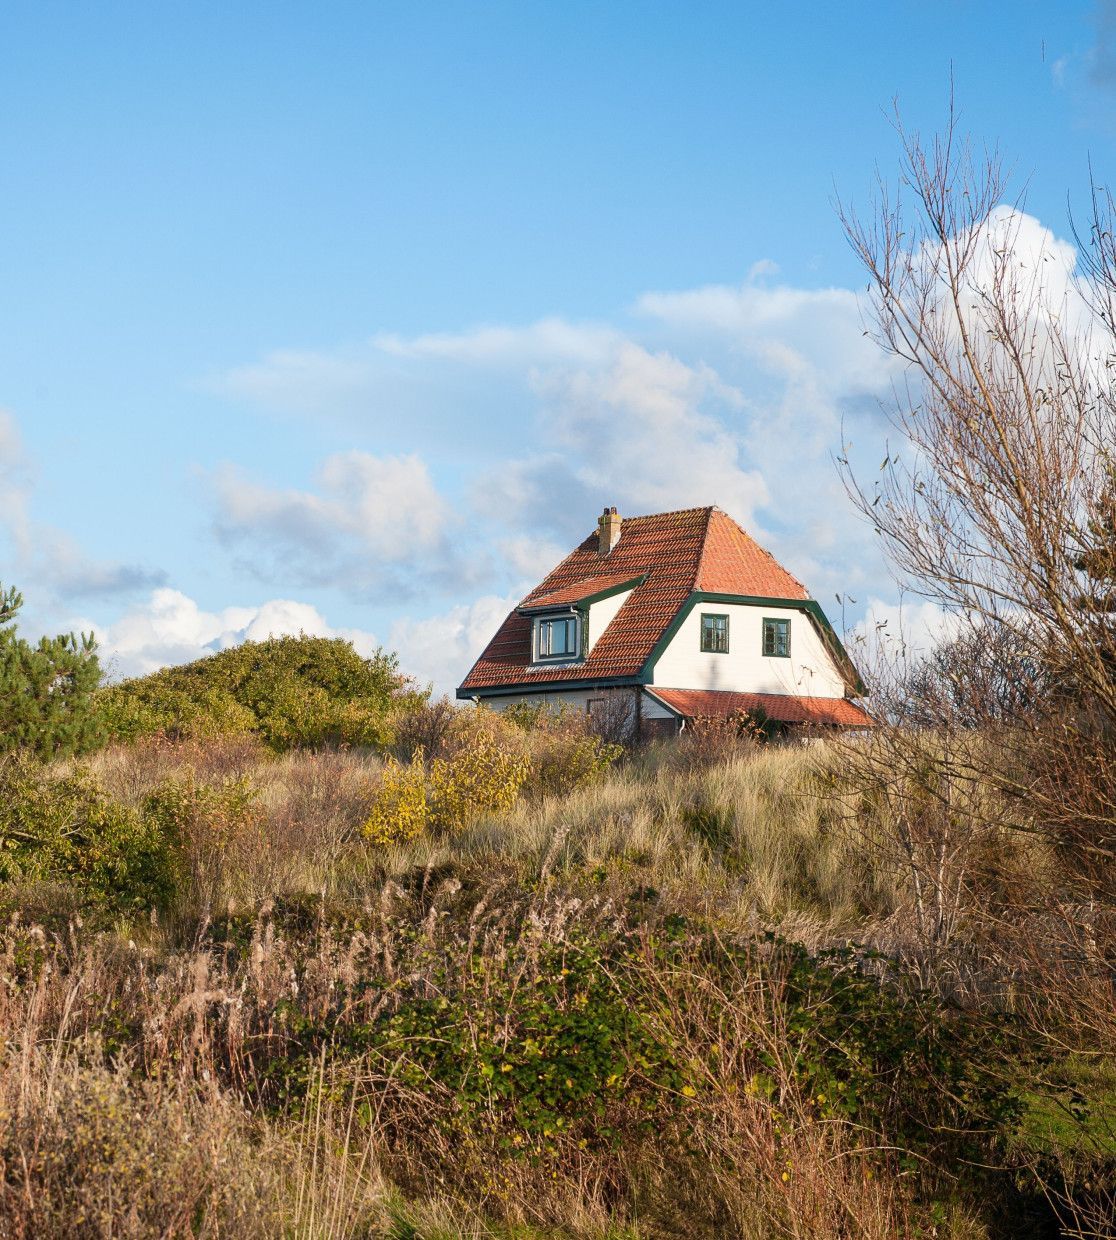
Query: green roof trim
[526, 688]
[810, 606]
[601, 595]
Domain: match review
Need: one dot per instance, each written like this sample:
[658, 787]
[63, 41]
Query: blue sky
[351, 317]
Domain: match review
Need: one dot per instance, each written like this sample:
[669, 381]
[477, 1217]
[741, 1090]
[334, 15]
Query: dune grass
[613, 1014]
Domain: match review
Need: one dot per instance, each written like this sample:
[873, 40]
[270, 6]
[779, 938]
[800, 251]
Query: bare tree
[1006, 411]
[985, 675]
[999, 504]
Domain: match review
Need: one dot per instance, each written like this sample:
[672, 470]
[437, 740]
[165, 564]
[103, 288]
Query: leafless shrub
[997, 504]
[614, 717]
[708, 742]
[428, 727]
[984, 677]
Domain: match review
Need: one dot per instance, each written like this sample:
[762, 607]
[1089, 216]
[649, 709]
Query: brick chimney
[608, 530]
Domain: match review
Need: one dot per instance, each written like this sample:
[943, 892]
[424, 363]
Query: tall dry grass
[137, 1092]
[142, 1069]
[754, 835]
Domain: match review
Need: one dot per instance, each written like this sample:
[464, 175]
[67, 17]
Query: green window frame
[714, 633]
[557, 638]
[776, 639]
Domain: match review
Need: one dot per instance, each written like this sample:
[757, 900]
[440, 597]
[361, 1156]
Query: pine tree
[46, 690]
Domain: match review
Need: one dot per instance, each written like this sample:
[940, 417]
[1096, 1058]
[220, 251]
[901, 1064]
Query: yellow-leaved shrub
[400, 810]
[480, 762]
[481, 779]
[451, 794]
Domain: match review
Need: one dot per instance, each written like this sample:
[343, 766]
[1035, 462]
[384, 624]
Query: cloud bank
[371, 524]
[47, 558]
[170, 627]
[476, 459]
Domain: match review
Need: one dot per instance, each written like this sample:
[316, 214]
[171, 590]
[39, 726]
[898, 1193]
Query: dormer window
[557, 637]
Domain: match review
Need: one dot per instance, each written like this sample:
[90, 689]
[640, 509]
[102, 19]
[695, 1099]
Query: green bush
[64, 828]
[562, 1055]
[550, 1048]
[895, 1060]
[219, 829]
[598, 1038]
[294, 692]
[46, 690]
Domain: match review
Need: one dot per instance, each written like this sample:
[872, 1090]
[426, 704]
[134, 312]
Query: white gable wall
[809, 672]
[601, 614]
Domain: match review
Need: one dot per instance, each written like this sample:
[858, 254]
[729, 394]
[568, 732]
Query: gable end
[854, 685]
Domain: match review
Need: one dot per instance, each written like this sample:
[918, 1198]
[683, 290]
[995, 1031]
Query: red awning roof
[718, 704]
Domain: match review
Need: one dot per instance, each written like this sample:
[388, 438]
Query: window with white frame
[557, 637]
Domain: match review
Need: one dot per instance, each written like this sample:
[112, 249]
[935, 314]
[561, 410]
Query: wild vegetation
[493, 977]
[292, 950]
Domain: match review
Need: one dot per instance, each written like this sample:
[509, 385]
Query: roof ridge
[704, 548]
[682, 552]
[674, 512]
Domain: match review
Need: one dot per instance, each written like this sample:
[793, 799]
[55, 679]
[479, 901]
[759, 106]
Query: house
[668, 618]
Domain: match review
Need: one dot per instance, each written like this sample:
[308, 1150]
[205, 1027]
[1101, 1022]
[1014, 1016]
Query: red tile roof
[580, 589]
[717, 704]
[695, 549]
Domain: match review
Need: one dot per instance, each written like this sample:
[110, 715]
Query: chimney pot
[608, 530]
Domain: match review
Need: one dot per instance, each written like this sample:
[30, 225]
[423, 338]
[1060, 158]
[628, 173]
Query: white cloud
[303, 380]
[734, 394]
[648, 433]
[726, 395]
[47, 559]
[171, 628]
[786, 331]
[547, 342]
[368, 518]
[761, 269]
[440, 649]
[528, 557]
[391, 376]
[899, 633]
[14, 486]
[1041, 268]
[58, 563]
